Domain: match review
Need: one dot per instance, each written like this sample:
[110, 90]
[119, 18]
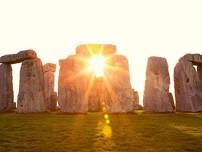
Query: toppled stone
[157, 97]
[6, 87]
[49, 80]
[19, 57]
[31, 90]
[188, 83]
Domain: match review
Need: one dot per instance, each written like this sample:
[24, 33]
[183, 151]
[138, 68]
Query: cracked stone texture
[31, 97]
[6, 87]
[19, 57]
[49, 81]
[157, 97]
[188, 83]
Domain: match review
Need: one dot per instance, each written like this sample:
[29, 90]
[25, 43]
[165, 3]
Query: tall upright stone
[31, 89]
[157, 97]
[49, 81]
[119, 94]
[72, 85]
[6, 87]
[188, 83]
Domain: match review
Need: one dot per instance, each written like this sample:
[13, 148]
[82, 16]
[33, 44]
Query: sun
[97, 64]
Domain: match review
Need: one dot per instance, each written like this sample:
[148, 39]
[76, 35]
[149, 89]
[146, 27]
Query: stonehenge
[188, 83]
[81, 90]
[31, 96]
[157, 97]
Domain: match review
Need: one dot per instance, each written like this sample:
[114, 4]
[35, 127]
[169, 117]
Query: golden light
[107, 131]
[97, 64]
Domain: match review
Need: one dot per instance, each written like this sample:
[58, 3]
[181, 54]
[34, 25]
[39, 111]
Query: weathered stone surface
[81, 91]
[119, 95]
[88, 49]
[72, 85]
[31, 90]
[188, 83]
[49, 67]
[6, 87]
[49, 80]
[156, 93]
[19, 57]
[95, 98]
[135, 100]
[135, 97]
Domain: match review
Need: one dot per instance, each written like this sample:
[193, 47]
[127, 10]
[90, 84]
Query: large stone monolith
[6, 87]
[72, 85]
[31, 90]
[49, 80]
[188, 83]
[119, 95]
[157, 97]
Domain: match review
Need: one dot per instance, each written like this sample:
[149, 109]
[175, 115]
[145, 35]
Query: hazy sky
[166, 28]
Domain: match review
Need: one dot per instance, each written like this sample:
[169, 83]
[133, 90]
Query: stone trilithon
[80, 90]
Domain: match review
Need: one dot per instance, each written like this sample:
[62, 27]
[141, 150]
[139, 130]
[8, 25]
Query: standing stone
[6, 87]
[157, 97]
[49, 80]
[119, 95]
[188, 83]
[72, 85]
[31, 90]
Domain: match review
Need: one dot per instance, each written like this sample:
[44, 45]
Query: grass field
[54, 132]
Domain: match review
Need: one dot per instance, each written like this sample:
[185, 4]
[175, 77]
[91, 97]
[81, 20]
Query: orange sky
[139, 29]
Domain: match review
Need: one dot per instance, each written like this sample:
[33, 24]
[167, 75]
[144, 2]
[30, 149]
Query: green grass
[54, 132]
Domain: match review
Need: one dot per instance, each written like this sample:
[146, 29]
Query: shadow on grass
[130, 132]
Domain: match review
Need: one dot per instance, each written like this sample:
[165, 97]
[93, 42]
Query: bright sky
[143, 28]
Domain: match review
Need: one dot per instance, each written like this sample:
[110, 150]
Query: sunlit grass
[85, 133]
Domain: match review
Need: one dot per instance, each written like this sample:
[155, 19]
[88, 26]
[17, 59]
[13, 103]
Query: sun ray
[112, 94]
[109, 88]
[90, 50]
[89, 88]
[82, 59]
[101, 50]
[84, 71]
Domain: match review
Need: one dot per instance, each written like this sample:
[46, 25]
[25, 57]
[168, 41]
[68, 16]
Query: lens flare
[97, 64]
[107, 131]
